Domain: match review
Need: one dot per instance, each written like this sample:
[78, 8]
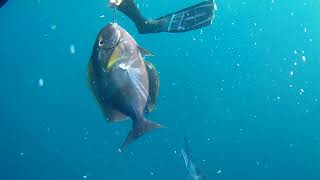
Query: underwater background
[245, 91]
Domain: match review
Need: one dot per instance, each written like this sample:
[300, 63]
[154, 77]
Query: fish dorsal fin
[154, 84]
[144, 52]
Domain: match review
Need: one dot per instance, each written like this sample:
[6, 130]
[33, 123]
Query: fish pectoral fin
[114, 115]
[154, 84]
[138, 130]
[144, 52]
[115, 56]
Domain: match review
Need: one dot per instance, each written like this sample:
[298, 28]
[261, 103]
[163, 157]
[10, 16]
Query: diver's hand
[114, 3]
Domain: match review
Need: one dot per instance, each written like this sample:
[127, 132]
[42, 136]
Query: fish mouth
[114, 41]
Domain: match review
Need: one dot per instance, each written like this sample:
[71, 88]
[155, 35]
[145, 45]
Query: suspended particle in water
[151, 173]
[291, 145]
[301, 91]
[53, 27]
[41, 82]
[85, 177]
[72, 49]
[291, 73]
[21, 154]
[303, 58]
[219, 172]
[102, 16]
[295, 52]
[117, 132]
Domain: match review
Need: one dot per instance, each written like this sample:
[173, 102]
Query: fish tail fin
[139, 128]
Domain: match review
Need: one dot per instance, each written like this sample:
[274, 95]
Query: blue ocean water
[245, 91]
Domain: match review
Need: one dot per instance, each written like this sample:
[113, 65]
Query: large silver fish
[123, 83]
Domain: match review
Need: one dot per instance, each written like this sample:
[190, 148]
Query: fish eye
[101, 43]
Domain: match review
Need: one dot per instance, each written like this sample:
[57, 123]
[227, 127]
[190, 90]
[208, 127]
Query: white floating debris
[117, 132]
[85, 177]
[304, 59]
[295, 52]
[219, 172]
[290, 85]
[291, 73]
[53, 27]
[301, 91]
[102, 16]
[72, 49]
[291, 145]
[151, 173]
[257, 163]
[305, 29]
[21, 154]
[41, 82]
[295, 63]
[175, 152]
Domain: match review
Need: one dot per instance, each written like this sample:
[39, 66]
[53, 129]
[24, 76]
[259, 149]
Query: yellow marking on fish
[114, 57]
